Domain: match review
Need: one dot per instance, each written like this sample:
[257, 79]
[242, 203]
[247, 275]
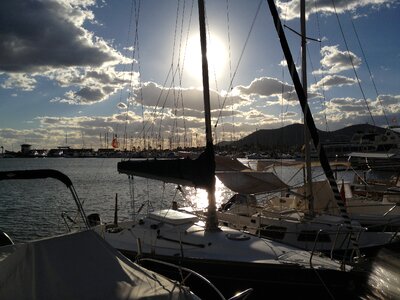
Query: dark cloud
[158, 97]
[38, 35]
[264, 86]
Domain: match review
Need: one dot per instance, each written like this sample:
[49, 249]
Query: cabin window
[310, 236]
[273, 232]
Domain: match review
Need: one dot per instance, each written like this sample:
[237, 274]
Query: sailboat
[297, 218]
[75, 265]
[230, 259]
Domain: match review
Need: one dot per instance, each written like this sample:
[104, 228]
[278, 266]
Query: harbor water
[32, 209]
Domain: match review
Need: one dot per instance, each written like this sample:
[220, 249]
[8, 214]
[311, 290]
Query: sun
[217, 57]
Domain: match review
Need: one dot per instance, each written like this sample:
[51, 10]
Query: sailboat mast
[310, 123]
[212, 220]
[307, 150]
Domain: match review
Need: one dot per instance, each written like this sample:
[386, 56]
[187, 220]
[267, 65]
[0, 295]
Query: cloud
[47, 39]
[94, 85]
[288, 114]
[346, 111]
[21, 81]
[291, 9]
[330, 81]
[154, 96]
[263, 87]
[335, 61]
[41, 35]
[389, 100]
[272, 90]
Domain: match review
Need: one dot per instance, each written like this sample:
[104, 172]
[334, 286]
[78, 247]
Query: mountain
[292, 136]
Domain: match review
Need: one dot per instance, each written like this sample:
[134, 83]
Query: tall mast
[212, 220]
[310, 123]
[307, 150]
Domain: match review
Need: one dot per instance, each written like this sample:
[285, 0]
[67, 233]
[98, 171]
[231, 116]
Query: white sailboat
[230, 259]
[300, 218]
[75, 265]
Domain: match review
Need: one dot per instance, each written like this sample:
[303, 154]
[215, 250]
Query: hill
[292, 136]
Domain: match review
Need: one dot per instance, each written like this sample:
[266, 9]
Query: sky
[81, 72]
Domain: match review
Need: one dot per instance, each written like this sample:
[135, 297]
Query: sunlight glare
[217, 56]
[198, 198]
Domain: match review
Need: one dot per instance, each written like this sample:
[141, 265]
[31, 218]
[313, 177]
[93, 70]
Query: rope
[352, 63]
[230, 64]
[369, 71]
[240, 59]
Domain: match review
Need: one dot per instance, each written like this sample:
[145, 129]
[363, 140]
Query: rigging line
[137, 10]
[143, 131]
[323, 102]
[175, 122]
[135, 42]
[230, 64]
[124, 66]
[158, 101]
[215, 80]
[310, 122]
[180, 74]
[369, 71]
[282, 93]
[165, 101]
[240, 58]
[352, 63]
[320, 49]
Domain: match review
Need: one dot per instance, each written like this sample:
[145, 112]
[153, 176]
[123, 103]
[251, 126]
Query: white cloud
[335, 61]
[330, 81]
[93, 84]
[291, 9]
[346, 111]
[21, 81]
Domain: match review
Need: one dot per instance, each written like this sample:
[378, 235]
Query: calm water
[31, 209]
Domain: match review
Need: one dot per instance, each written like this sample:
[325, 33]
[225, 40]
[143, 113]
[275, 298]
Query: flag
[115, 143]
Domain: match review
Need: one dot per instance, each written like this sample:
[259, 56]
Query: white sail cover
[372, 155]
[78, 266]
[251, 182]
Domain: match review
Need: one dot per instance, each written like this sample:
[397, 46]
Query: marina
[200, 223]
[97, 185]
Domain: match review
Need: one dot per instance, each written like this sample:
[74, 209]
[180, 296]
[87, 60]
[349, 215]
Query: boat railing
[241, 295]
[315, 244]
[394, 235]
[338, 233]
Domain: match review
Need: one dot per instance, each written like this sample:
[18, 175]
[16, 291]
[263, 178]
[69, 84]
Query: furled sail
[197, 172]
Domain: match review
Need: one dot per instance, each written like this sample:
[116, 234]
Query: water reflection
[198, 198]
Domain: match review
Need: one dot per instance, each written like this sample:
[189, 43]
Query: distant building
[26, 148]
